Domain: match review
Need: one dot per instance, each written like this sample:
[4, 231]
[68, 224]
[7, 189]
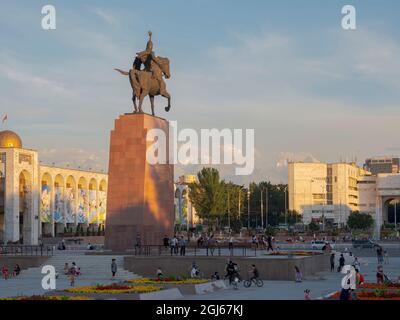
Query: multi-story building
[377, 165]
[330, 192]
[324, 191]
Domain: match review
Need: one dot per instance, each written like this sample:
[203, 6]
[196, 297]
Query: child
[72, 279]
[307, 294]
[4, 271]
[159, 273]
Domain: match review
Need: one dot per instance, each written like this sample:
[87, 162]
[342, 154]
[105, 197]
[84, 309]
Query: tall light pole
[262, 209]
[229, 216]
[286, 187]
[248, 209]
[266, 207]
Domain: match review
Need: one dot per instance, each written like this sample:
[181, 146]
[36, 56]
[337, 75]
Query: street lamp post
[286, 205]
[248, 209]
[262, 218]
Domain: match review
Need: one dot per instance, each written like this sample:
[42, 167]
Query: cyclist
[231, 270]
[254, 272]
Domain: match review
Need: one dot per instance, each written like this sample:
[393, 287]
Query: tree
[361, 221]
[313, 227]
[208, 195]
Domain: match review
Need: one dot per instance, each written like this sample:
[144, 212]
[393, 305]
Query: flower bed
[371, 295]
[294, 253]
[378, 295]
[167, 280]
[47, 298]
[114, 289]
[380, 286]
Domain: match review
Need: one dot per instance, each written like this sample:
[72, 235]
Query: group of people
[6, 273]
[262, 241]
[177, 245]
[382, 255]
[72, 272]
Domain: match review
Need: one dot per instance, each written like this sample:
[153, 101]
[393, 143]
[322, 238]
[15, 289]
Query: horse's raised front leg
[168, 96]
[152, 104]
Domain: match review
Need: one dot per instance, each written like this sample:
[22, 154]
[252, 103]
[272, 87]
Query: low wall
[269, 268]
[24, 262]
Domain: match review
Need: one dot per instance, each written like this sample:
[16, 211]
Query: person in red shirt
[4, 271]
[359, 278]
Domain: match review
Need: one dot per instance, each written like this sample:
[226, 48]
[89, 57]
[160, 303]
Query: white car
[319, 244]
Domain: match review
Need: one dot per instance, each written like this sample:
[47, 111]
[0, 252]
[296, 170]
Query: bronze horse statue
[149, 83]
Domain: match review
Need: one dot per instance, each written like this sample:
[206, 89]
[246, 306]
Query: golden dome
[9, 139]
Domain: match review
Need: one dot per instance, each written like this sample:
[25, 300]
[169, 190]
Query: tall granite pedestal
[140, 196]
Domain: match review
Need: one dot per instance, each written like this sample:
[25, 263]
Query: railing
[220, 251]
[26, 250]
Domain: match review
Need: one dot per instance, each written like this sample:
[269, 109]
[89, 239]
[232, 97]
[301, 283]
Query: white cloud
[105, 16]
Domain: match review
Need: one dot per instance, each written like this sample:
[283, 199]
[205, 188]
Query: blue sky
[311, 90]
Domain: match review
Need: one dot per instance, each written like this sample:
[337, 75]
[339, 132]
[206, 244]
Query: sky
[311, 90]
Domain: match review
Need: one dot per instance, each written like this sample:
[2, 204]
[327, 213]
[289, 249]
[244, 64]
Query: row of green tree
[220, 203]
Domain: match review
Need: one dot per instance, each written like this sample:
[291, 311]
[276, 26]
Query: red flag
[5, 118]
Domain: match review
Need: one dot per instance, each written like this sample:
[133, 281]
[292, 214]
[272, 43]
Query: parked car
[364, 244]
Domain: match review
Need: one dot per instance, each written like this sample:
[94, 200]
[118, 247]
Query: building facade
[377, 165]
[185, 213]
[38, 201]
[330, 192]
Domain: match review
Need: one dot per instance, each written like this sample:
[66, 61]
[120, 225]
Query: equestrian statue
[148, 81]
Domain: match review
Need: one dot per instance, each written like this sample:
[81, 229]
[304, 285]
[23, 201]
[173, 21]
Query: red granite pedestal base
[140, 196]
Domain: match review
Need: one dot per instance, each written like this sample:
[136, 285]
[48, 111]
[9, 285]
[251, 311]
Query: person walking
[113, 268]
[386, 255]
[332, 261]
[230, 244]
[166, 242]
[298, 275]
[182, 245]
[269, 242]
[341, 262]
[379, 254]
[356, 264]
[173, 245]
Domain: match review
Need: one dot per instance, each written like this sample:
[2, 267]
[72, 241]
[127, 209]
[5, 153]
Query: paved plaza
[96, 270]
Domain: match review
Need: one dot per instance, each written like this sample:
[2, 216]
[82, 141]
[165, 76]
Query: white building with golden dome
[42, 201]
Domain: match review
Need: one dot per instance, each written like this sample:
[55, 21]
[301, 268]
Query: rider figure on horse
[150, 62]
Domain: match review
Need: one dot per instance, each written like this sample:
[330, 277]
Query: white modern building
[330, 192]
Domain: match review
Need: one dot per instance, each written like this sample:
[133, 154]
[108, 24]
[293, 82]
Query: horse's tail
[124, 73]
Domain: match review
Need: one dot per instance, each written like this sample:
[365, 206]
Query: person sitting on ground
[194, 273]
[307, 294]
[66, 268]
[215, 276]
[359, 278]
[159, 273]
[17, 270]
[90, 246]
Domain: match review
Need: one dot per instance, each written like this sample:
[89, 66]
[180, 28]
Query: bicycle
[257, 282]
